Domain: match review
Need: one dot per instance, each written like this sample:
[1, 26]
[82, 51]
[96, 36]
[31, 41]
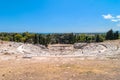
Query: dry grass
[59, 69]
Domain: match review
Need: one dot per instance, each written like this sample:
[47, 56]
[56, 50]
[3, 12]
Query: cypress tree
[116, 35]
[110, 35]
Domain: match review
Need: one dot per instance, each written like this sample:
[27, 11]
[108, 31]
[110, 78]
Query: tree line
[63, 38]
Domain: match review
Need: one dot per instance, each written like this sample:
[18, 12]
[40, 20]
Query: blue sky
[59, 15]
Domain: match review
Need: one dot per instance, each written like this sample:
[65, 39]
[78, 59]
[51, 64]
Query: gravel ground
[58, 68]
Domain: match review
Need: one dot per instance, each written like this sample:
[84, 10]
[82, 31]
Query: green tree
[110, 35]
[6, 38]
[99, 38]
[23, 39]
[82, 38]
[48, 39]
[116, 35]
[36, 39]
[18, 37]
[88, 39]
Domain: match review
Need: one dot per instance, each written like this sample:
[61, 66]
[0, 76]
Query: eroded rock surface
[107, 49]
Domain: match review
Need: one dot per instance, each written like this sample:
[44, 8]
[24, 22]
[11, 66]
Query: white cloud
[112, 18]
[108, 16]
[118, 16]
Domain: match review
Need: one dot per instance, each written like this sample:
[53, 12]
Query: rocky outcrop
[98, 50]
[79, 45]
